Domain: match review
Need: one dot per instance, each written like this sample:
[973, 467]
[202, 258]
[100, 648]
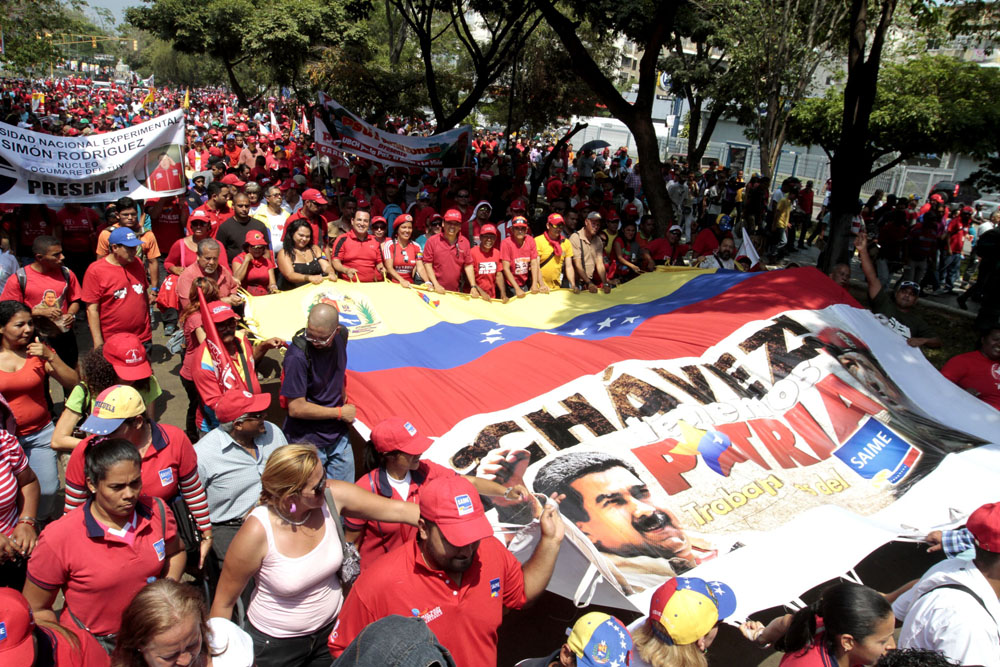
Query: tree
[648, 23]
[781, 44]
[547, 91]
[932, 104]
[486, 47]
[850, 162]
[279, 35]
[29, 30]
[697, 66]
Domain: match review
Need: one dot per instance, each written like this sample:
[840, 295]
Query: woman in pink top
[290, 545]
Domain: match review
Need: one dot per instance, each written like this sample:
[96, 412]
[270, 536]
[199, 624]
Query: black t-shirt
[232, 234]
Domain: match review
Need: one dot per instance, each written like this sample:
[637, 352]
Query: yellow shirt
[783, 213]
[551, 270]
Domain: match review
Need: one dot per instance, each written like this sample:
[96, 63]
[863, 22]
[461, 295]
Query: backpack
[299, 341]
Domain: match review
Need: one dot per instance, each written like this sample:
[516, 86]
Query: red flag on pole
[222, 363]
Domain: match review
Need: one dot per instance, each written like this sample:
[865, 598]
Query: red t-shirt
[34, 224]
[232, 154]
[519, 257]
[214, 217]
[956, 235]
[447, 259]
[816, 655]
[706, 242]
[364, 256]
[403, 260]
[24, 390]
[99, 572]
[120, 295]
[974, 370]
[168, 227]
[485, 268]
[664, 251]
[257, 279]
[48, 289]
[378, 538]
[464, 617]
[79, 228]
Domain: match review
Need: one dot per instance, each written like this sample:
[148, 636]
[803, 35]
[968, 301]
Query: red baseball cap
[379, 219]
[395, 434]
[232, 179]
[984, 524]
[453, 504]
[237, 402]
[286, 184]
[392, 181]
[221, 312]
[452, 215]
[125, 353]
[254, 237]
[16, 644]
[313, 195]
[363, 203]
[555, 219]
[519, 221]
[517, 205]
[488, 229]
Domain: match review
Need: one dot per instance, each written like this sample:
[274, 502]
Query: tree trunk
[234, 83]
[653, 185]
[694, 130]
[539, 177]
[698, 152]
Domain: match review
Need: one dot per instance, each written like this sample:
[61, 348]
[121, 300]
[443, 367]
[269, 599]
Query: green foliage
[23, 22]
[932, 104]
[279, 35]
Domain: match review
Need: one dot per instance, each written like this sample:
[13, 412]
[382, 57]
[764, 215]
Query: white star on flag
[493, 332]
[630, 320]
[623, 644]
[578, 332]
[614, 664]
[605, 324]
[491, 339]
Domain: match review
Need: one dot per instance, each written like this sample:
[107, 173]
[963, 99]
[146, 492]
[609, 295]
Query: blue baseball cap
[124, 236]
[598, 640]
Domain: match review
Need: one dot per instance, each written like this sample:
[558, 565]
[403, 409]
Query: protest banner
[141, 161]
[338, 131]
[717, 423]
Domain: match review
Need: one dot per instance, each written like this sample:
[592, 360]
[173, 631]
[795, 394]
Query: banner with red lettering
[338, 131]
[762, 429]
[142, 161]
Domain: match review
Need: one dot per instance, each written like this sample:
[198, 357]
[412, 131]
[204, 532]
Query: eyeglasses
[321, 342]
[462, 195]
[252, 416]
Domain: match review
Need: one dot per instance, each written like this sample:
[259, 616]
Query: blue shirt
[231, 474]
[320, 382]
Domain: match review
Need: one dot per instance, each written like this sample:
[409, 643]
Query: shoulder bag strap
[331, 505]
[966, 589]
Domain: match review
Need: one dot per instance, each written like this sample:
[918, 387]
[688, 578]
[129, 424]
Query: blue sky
[116, 6]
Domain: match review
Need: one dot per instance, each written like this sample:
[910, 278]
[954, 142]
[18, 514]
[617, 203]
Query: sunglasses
[321, 341]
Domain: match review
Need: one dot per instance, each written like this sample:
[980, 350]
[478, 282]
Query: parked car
[956, 191]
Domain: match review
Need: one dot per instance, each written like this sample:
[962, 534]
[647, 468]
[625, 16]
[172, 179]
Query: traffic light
[135, 45]
[93, 42]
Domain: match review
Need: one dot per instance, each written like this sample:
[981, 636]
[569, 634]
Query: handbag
[350, 567]
[167, 298]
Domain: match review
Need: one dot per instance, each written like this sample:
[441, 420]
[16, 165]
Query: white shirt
[713, 261]
[949, 620]
[401, 486]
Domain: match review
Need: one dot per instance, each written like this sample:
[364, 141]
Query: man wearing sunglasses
[313, 384]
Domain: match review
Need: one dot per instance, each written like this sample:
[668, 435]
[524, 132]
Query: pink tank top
[297, 596]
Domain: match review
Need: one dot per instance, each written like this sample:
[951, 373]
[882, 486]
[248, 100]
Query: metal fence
[901, 180]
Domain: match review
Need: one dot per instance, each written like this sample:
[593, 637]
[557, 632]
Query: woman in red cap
[121, 360]
[30, 641]
[397, 473]
[253, 268]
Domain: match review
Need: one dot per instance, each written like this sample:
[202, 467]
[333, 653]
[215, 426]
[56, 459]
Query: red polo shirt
[519, 257]
[363, 256]
[167, 461]
[378, 537]
[464, 617]
[215, 217]
[99, 572]
[447, 259]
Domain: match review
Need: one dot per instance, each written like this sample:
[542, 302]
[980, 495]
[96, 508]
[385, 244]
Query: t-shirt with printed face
[485, 266]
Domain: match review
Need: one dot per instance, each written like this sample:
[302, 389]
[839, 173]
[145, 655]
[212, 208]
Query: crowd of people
[294, 557]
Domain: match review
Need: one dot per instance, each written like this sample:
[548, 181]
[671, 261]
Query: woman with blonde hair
[684, 614]
[167, 624]
[291, 545]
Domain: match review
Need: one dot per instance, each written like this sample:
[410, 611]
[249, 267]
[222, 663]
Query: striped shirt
[12, 463]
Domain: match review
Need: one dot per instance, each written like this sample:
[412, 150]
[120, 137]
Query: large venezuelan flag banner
[733, 423]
